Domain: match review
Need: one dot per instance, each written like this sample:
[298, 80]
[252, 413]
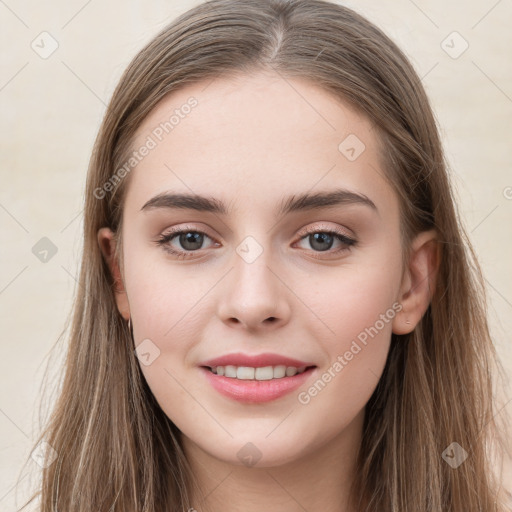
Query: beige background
[52, 109]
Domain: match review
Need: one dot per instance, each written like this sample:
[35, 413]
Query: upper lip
[259, 360]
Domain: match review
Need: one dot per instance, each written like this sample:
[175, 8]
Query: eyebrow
[303, 202]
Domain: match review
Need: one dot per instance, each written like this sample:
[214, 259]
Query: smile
[255, 384]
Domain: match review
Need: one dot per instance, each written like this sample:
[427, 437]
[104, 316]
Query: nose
[255, 297]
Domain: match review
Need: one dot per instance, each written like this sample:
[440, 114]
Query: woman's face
[267, 267]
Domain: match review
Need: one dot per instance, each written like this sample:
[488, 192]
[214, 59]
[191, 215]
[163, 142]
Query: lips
[259, 360]
[257, 391]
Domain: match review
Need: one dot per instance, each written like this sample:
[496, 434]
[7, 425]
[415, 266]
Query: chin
[258, 450]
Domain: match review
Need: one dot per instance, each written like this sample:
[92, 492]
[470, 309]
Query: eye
[322, 240]
[189, 239]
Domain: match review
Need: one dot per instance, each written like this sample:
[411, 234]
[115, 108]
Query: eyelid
[186, 227]
[302, 232]
[325, 227]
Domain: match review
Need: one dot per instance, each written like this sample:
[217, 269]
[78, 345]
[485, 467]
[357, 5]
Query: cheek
[351, 299]
[166, 326]
[164, 298]
[356, 356]
[356, 309]
[167, 306]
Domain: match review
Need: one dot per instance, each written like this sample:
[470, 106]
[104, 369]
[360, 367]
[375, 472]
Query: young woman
[279, 308]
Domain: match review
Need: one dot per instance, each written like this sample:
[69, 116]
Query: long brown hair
[117, 450]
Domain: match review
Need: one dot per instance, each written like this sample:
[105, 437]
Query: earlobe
[418, 284]
[107, 244]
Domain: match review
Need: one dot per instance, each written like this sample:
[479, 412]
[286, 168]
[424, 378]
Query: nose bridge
[255, 293]
[253, 279]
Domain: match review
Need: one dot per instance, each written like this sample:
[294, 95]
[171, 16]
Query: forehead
[249, 138]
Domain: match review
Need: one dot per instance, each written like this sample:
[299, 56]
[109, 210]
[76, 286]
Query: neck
[319, 478]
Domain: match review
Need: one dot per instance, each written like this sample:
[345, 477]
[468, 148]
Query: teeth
[244, 373]
[260, 373]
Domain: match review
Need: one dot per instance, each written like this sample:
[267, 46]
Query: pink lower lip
[255, 391]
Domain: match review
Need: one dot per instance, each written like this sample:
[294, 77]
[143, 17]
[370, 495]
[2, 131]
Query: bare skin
[251, 142]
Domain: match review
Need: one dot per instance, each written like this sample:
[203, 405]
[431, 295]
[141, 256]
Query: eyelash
[164, 239]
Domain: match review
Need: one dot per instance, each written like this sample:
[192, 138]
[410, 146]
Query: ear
[107, 243]
[418, 282]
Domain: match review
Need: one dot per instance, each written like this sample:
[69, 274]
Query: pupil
[191, 238]
[321, 239]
